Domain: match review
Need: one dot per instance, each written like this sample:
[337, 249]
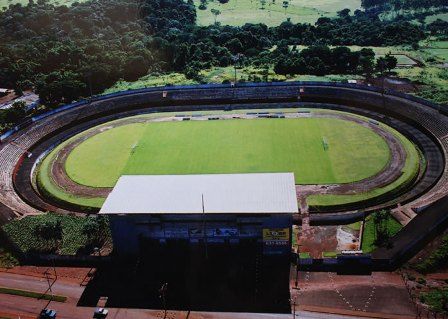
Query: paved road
[14, 306]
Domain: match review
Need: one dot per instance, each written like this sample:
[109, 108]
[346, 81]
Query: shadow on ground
[233, 279]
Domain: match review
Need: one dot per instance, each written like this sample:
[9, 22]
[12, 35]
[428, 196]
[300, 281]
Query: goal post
[325, 143]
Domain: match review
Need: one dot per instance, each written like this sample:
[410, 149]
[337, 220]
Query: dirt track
[388, 174]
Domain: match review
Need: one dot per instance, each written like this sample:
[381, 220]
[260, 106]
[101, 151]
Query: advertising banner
[276, 240]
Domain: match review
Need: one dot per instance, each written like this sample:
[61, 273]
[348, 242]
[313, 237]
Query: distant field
[439, 44]
[232, 146]
[6, 3]
[398, 50]
[441, 16]
[239, 12]
[402, 59]
[438, 49]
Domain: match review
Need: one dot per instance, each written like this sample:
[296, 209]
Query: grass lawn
[218, 75]
[304, 255]
[401, 59]
[150, 80]
[31, 294]
[232, 146]
[439, 44]
[48, 188]
[410, 170]
[239, 12]
[434, 17]
[330, 254]
[368, 235]
[434, 78]
[355, 226]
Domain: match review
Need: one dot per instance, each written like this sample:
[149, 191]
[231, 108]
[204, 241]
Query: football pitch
[317, 150]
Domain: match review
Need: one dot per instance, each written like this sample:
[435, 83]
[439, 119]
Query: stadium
[353, 150]
[390, 148]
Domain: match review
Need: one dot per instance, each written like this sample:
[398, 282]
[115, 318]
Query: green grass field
[368, 235]
[402, 59]
[410, 170]
[232, 146]
[115, 162]
[239, 12]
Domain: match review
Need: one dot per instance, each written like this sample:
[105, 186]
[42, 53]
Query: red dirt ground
[379, 293]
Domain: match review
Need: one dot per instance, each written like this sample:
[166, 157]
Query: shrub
[436, 299]
[67, 235]
[436, 260]
[421, 281]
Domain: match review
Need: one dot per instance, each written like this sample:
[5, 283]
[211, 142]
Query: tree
[14, 114]
[344, 13]
[59, 87]
[382, 233]
[235, 46]
[342, 60]
[381, 65]
[285, 5]
[215, 13]
[366, 62]
[203, 5]
[388, 62]
[49, 229]
[391, 62]
[94, 229]
[263, 4]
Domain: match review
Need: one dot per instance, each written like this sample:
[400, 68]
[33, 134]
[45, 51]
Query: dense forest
[402, 4]
[68, 52]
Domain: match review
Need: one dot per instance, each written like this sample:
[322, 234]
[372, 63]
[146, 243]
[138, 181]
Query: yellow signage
[275, 234]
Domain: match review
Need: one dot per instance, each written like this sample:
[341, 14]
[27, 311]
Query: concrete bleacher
[422, 116]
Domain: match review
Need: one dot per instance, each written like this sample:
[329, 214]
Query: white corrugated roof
[223, 193]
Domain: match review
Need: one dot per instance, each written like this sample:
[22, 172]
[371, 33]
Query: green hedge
[75, 234]
[436, 300]
[7, 260]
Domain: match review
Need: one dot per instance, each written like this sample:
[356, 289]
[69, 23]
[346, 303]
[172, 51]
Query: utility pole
[236, 58]
[89, 81]
[162, 296]
[297, 269]
[204, 227]
[294, 308]
[50, 283]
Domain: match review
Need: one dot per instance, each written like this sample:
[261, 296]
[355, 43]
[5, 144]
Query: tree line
[68, 52]
[385, 5]
[322, 60]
